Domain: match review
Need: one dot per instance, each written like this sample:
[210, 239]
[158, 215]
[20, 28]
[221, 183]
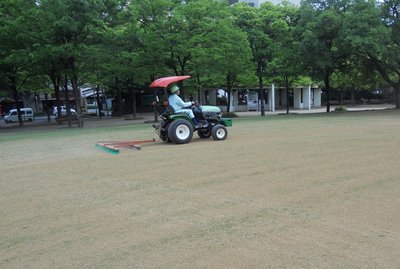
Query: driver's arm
[182, 104]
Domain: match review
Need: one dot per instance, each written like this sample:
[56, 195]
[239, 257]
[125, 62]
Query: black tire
[162, 130]
[204, 133]
[163, 136]
[219, 132]
[180, 131]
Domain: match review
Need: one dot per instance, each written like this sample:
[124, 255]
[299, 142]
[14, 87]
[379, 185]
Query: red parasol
[164, 82]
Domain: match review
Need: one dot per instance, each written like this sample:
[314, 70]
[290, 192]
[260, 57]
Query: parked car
[63, 111]
[26, 113]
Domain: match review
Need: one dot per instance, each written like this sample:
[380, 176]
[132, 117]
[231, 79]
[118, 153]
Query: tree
[210, 24]
[120, 71]
[358, 76]
[248, 19]
[175, 32]
[70, 29]
[373, 34]
[16, 35]
[286, 65]
[266, 27]
[235, 56]
[166, 36]
[320, 31]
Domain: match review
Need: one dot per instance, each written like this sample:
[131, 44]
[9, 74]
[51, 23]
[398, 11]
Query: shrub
[229, 115]
[340, 109]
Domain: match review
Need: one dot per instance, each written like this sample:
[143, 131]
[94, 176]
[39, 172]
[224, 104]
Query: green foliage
[374, 38]
[340, 109]
[320, 35]
[123, 45]
[16, 42]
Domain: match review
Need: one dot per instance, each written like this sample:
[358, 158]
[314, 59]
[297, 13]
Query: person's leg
[189, 112]
[195, 122]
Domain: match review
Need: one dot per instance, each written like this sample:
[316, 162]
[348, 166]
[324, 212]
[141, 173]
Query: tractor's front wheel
[219, 132]
[180, 131]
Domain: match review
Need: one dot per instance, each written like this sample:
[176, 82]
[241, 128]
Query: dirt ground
[301, 191]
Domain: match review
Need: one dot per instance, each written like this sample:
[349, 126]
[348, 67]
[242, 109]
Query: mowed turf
[297, 191]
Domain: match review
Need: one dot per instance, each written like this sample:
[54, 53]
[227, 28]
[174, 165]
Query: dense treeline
[123, 45]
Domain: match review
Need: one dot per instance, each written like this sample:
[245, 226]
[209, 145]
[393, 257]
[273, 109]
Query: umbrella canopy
[164, 82]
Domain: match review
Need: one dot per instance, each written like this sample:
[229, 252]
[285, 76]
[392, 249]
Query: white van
[63, 111]
[26, 113]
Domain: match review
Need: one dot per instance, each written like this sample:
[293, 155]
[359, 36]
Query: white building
[307, 97]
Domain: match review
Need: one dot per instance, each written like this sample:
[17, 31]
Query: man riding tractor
[180, 119]
[178, 105]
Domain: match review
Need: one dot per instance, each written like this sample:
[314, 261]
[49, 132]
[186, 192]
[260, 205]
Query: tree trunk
[287, 100]
[230, 79]
[327, 88]
[99, 105]
[36, 96]
[262, 97]
[67, 105]
[16, 98]
[47, 107]
[198, 89]
[15, 95]
[287, 93]
[57, 83]
[77, 94]
[56, 86]
[228, 92]
[328, 102]
[134, 102]
[105, 102]
[119, 98]
[155, 104]
[341, 97]
[228, 100]
[397, 97]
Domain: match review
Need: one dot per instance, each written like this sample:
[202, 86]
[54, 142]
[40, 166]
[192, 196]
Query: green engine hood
[210, 109]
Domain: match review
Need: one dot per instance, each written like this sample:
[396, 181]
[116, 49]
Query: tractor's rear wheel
[163, 136]
[162, 130]
[180, 131]
[219, 132]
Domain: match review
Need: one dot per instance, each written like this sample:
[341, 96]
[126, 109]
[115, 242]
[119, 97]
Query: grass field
[298, 191]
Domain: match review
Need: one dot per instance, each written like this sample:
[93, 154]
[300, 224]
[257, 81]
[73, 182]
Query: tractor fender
[181, 116]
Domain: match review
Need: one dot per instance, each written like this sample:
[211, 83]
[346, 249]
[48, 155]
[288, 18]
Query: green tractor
[178, 128]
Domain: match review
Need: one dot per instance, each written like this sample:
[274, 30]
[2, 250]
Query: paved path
[318, 110]
[94, 122]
